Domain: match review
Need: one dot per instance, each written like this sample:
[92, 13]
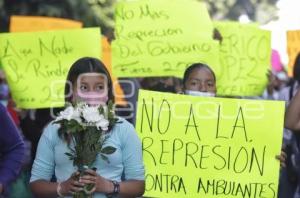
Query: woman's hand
[101, 184]
[71, 185]
[282, 159]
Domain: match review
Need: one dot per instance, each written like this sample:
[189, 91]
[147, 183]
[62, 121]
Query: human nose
[202, 87]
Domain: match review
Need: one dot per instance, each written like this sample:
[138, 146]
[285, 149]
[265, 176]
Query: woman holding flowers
[87, 148]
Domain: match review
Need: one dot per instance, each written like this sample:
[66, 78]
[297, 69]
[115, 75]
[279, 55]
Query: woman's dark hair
[194, 66]
[296, 69]
[86, 65]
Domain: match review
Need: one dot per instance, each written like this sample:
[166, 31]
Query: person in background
[11, 151]
[289, 179]
[20, 187]
[292, 122]
[32, 123]
[287, 93]
[277, 81]
[4, 90]
[166, 84]
[199, 80]
[292, 117]
[290, 90]
[277, 78]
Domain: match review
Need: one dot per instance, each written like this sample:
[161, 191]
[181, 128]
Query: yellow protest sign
[40, 23]
[209, 147]
[293, 48]
[36, 63]
[151, 19]
[245, 55]
[106, 58]
[161, 37]
[162, 58]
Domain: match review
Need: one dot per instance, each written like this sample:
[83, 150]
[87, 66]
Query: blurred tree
[100, 12]
[261, 11]
[90, 12]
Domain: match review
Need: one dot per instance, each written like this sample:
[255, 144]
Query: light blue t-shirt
[51, 159]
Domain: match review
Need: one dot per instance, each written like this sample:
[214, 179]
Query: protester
[88, 80]
[199, 80]
[11, 151]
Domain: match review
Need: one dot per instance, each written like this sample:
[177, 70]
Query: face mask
[200, 93]
[93, 98]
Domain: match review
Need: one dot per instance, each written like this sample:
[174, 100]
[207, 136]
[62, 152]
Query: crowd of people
[33, 163]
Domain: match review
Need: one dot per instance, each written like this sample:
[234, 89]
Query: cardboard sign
[209, 147]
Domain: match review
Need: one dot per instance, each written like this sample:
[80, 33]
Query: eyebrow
[208, 80]
[84, 82]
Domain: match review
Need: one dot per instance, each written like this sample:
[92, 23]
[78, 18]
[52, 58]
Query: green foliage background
[100, 12]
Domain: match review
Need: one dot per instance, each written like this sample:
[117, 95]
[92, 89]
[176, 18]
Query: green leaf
[108, 150]
[72, 150]
[69, 154]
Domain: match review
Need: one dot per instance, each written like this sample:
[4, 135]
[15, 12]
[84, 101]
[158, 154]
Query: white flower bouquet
[85, 127]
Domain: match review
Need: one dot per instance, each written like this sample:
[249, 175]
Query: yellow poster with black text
[209, 147]
[245, 59]
[161, 38]
[37, 63]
